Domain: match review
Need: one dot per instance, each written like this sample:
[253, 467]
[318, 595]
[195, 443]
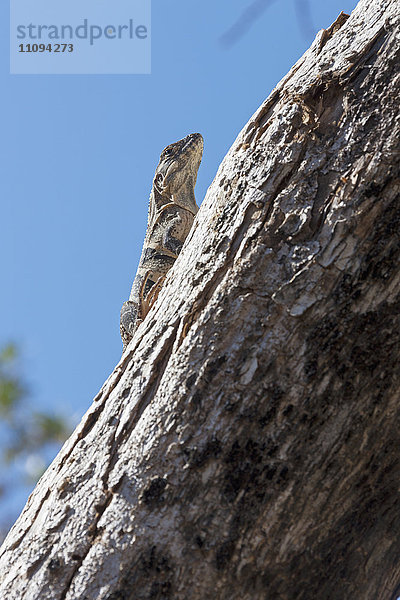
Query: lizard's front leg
[134, 311]
[129, 322]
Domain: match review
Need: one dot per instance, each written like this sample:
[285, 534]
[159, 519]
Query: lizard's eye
[168, 152]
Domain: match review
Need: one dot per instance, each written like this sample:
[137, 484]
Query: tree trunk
[247, 444]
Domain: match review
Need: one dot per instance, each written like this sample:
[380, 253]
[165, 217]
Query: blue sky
[78, 154]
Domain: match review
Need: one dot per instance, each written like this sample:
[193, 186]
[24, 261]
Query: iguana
[172, 208]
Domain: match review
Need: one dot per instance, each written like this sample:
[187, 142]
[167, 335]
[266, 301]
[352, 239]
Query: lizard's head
[176, 172]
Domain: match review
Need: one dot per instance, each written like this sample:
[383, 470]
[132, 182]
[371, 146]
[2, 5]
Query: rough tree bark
[247, 445]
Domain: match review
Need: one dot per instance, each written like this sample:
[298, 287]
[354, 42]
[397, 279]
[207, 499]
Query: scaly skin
[172, 208]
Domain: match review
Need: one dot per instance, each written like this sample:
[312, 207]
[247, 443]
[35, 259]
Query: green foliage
[28, 438]
[27, 431]
[11, 389]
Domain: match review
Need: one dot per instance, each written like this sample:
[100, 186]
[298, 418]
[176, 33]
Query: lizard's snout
[194, 139]
[194, 136]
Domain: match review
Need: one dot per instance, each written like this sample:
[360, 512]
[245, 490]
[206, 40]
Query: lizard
[172, 209]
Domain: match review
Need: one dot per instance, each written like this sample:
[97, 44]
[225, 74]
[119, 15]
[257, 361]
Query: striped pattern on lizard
[172, 208]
